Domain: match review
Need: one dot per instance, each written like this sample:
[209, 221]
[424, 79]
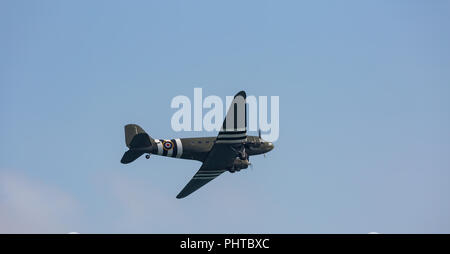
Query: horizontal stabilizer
[130, 156]
[140, 140]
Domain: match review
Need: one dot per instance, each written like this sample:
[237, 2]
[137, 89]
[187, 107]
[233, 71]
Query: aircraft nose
[270, 146]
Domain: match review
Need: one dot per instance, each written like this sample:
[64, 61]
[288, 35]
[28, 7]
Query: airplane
[229, 151]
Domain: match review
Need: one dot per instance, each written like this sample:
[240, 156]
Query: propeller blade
[259, 133]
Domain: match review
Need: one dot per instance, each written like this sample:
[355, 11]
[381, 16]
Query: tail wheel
[147, 156]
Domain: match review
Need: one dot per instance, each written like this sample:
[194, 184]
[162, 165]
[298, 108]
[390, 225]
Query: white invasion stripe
[216, 174]
[231, 141]
[204, 177]
[233, 129]
[179, 148]
[226, 135]
[210, 171]
[159, 145]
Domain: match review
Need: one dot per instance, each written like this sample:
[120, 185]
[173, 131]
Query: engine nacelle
[239, 164]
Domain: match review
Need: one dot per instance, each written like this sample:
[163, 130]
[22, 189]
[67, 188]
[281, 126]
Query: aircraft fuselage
[198, 148]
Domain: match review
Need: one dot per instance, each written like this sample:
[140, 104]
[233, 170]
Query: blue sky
[364, 115]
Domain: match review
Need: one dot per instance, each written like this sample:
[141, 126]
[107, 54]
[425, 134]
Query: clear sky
[364, 92]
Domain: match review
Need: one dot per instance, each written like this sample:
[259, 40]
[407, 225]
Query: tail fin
[131, 130]
[135, 137]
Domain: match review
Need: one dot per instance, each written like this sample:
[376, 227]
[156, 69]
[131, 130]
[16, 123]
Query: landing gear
[147, 156]
[234, 170]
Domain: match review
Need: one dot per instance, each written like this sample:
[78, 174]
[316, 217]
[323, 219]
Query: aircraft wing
[223, 153]
[202, 177]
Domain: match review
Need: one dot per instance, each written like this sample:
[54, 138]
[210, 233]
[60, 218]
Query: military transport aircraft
[229, 151]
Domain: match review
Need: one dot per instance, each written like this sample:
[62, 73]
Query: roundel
[167, 144]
